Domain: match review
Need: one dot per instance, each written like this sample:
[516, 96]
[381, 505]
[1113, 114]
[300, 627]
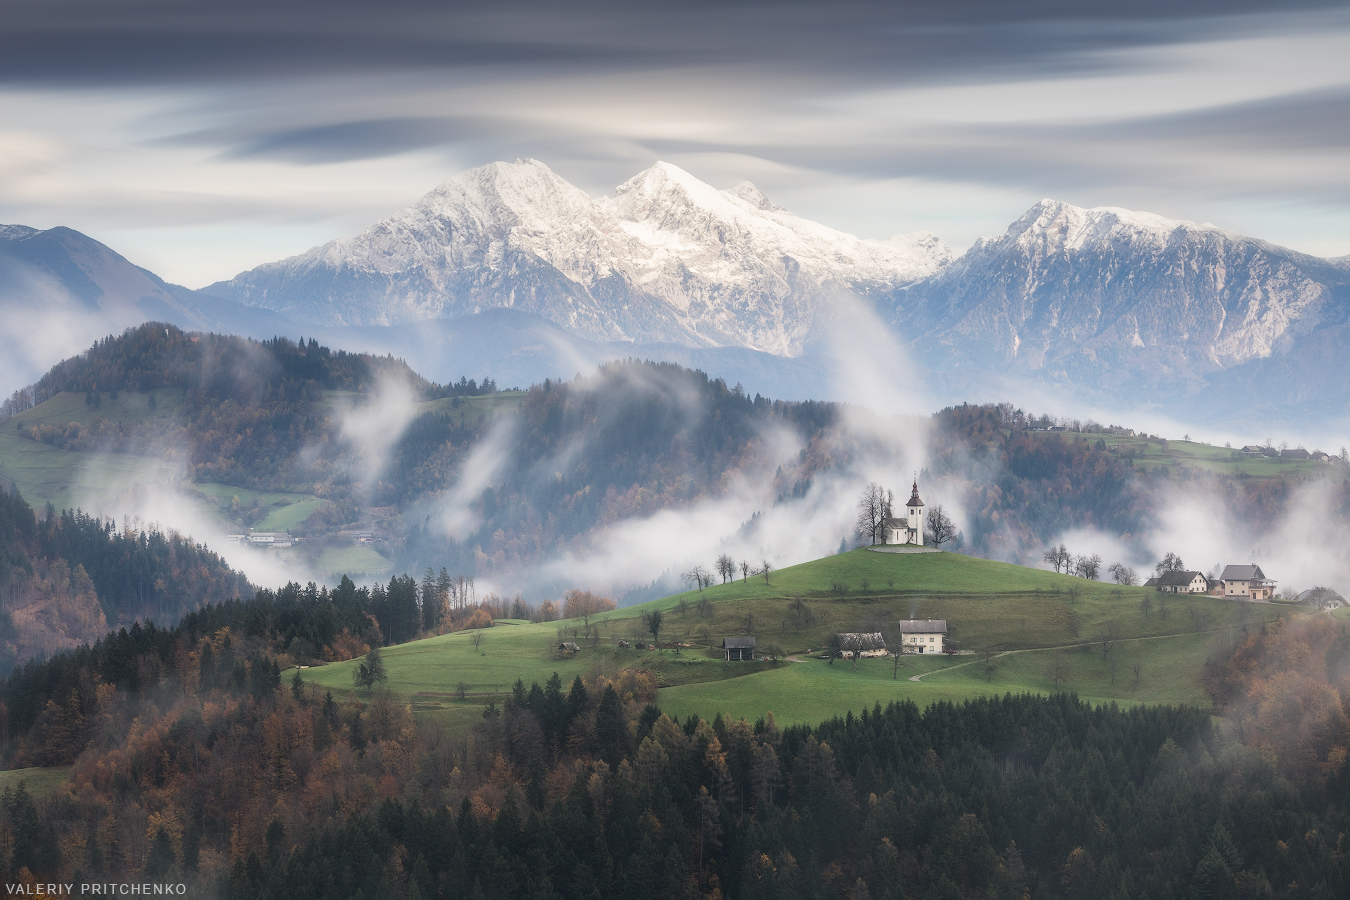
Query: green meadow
[37, 781]
[1019, 630]
[66, 479]
[1150, 454]
[127, 406]
[284, 510]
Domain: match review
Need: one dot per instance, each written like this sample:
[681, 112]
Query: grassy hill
[1175, 455]
[66, 479]
[1021, 629]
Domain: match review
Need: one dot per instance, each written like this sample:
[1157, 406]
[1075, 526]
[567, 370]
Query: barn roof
[570, 646]
[740, 642]
[1178, 578]
[923, 626]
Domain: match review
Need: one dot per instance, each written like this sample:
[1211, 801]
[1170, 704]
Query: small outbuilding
[739, 649]
[569, 647]
[922, 635]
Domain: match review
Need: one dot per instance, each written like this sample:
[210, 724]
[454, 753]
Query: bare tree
[698, 577]
[1089, 566]
[940, 528]
[1146, 606]
[726, 568]
[1107, 637]
[1058, 558]
[745, 571]
[765, 568]
[874, 508]
[476, 639]
[1122, 574]
[1169, 563]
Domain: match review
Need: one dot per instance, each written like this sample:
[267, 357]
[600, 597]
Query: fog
[882, 436]
[372, 426]
[1300, 547]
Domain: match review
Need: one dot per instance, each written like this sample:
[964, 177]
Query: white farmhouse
[922, 635]
[1247, 582]
[1182, 582]
[908, 530]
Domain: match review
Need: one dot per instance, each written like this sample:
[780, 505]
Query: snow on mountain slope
[1108, 296]
[667, 258]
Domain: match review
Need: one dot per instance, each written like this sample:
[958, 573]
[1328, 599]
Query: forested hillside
[552, 470]
[195, 761]
[249, 408]
[67, 578]
[634, 439]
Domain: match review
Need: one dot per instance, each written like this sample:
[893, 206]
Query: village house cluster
[1240, 582]
[916, 636]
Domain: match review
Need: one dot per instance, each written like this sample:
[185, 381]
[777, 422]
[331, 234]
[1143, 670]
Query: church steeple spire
[914, 494]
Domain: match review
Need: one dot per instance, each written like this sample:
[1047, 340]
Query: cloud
[455, 512]
[373, 424]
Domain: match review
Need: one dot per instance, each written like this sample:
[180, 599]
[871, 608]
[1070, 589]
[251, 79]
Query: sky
[200, 138]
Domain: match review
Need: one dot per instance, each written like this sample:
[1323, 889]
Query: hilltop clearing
[1017, 629]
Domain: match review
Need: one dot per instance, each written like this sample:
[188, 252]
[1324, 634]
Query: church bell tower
[915, 510]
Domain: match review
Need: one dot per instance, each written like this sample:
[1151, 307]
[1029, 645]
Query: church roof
[914, 495]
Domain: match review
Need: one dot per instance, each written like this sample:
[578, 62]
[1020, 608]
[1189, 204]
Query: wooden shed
[738, 648]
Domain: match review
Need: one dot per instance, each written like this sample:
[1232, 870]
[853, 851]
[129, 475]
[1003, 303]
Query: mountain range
[508, 268]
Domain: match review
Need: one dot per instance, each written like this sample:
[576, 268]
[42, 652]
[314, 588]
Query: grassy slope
[285, 510]
[355, 560]
[473, 408]
[1017, 613]
[1150, 454]
[44, 474]
[129, 406]
[38, 781]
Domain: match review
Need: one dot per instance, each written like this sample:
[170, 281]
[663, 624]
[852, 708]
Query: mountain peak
[16, 232]
[666, 183]
[754, 196]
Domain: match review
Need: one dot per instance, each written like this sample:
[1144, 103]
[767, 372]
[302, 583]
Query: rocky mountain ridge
[667, 258]
[1116, 298]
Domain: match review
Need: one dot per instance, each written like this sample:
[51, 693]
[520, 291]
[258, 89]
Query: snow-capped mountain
[1115, 298]
[668, 257]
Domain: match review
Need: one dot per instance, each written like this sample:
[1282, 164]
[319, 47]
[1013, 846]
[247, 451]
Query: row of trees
[1085, 566]
[699, 577]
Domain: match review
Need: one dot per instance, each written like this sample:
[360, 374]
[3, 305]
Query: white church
[907, 530]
